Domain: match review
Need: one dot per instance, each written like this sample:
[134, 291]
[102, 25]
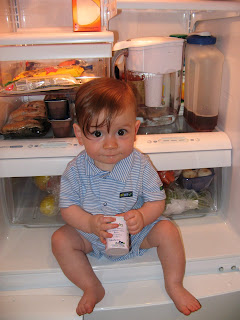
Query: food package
[44, 83]
[86, 15]
[50, 184]
[49, 203]
[29, 120]
[169, 176]
[38, 76]
[180, 200]
[72, 70]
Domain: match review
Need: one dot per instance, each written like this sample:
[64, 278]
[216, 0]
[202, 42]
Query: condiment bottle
[203, 77]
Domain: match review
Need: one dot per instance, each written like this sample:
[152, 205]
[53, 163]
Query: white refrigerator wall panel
[211, 242]
[227, 32]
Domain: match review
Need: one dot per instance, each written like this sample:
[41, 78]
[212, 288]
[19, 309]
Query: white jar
[118, 245]
[203, 77]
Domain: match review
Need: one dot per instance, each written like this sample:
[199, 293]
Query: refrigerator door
[218, 294]
[38, 307]
[148, 300]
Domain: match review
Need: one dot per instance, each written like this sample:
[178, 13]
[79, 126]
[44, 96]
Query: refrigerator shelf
[55, 45]
[37, 157]
[43, 36]
[209, 243]
[179, 5]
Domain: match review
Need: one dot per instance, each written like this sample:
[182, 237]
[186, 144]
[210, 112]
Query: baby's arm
[153, 196]
[137, 219]
[80, 219]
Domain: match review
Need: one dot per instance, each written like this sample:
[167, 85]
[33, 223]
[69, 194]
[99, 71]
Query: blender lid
[147, 42]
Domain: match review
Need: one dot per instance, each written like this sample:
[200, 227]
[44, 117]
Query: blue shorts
[135, 243]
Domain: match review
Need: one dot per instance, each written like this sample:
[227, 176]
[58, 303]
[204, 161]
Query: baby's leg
[165, 236]
[70, 249]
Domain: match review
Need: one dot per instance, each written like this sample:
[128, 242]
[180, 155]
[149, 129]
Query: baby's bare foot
[183, 299]
[90, 298]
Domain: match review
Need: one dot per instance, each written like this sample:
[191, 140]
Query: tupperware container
[57, 109]
[62, 128]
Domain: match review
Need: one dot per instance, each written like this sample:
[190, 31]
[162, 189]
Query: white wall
[227, 32]
[139, 23]
[5, 17]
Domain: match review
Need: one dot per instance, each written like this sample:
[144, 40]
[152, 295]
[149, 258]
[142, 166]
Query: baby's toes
[194, 306]
[185, 310]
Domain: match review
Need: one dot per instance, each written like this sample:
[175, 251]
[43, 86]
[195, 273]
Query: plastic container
[153, 67]
[62, 128]
[28, 202]
[118, 245]
[57, 109]
[203, 77]
[198, 183]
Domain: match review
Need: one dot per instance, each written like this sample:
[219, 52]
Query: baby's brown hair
[102, 94]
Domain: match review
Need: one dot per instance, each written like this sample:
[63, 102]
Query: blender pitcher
[153, 67]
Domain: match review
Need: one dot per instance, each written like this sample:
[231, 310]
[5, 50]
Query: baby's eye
[122, 132]
[97, 134]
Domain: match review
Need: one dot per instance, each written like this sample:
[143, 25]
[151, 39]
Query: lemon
[41, 182]
[48, 206]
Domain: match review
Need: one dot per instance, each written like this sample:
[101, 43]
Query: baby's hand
[134, 220]
[100, 224]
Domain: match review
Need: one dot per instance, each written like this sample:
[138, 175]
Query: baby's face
[108, 148]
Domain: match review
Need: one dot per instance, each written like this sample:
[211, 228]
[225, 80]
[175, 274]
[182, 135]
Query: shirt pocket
[127, 200]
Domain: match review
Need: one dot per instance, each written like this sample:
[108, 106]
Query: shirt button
[105, 204]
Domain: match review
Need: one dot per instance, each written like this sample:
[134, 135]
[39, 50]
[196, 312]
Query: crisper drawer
[34, 201]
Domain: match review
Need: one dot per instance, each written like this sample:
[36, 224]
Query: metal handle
[114, 59]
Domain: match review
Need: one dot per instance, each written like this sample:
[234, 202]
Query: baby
[91, 193]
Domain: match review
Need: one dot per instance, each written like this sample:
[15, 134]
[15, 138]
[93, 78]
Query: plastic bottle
[203, 77]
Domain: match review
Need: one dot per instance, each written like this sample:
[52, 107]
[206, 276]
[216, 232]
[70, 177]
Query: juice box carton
[86, 15]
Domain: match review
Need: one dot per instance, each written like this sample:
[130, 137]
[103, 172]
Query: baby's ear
[78, 133]
[137, 125]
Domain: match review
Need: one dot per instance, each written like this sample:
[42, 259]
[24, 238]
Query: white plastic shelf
[167, 152]
[55, 44]
[179, 5]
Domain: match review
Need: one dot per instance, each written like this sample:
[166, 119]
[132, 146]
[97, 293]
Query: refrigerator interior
[211, 241]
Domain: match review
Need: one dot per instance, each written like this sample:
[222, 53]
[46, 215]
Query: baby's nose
[110, 143]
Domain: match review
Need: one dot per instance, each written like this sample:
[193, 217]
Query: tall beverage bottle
[203, 78]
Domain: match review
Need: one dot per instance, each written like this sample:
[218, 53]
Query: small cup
[57, 109]
[118, 245]
[61, 128]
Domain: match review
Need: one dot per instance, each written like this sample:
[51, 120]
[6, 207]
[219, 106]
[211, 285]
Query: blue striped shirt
[132, 182]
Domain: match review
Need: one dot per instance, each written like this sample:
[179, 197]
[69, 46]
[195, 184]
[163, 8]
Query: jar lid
[201, 40]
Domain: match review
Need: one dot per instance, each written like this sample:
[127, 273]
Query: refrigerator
[32, 286]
